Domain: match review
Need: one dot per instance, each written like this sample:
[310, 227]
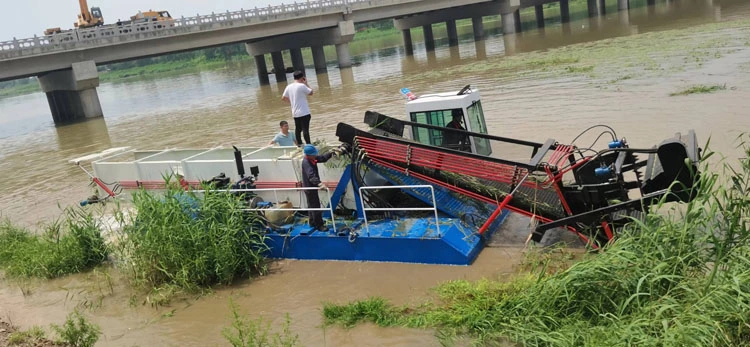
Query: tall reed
[675, 279]
[190, 241]
[63, 247]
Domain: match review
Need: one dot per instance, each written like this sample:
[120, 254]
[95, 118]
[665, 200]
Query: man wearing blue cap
[311, 178]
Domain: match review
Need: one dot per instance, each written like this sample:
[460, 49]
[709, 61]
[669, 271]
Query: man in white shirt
[284, 137]
[296, 94]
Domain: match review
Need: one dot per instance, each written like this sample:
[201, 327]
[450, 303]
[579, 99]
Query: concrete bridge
[65, 63]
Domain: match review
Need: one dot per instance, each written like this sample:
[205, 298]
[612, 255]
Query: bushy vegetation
[77, 331]
[245, 332]
[185, 241]
[681, 279]
[64, 247]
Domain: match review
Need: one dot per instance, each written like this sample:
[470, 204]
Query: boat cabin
[440, 110]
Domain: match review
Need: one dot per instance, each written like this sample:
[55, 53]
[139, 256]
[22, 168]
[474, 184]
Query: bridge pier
[297, 62]
[260, 66]
[339, 36]
[602, 7]
[593, 10]
[450, 26]
[509, 22]
[278, 66]
[408, 45]
[71, 94]
[510, 16]
[539, 11]
[429, 38]
[319, 59]
[623, 5]
[564, 11]
[342, 51]
[478, 27]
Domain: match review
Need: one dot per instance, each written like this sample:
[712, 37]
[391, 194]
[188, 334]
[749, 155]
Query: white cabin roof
[442, 101]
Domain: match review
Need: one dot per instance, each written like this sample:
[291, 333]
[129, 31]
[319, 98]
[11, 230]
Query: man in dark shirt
[452, 139]
[311, 178]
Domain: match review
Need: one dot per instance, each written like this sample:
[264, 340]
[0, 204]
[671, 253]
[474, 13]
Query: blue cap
[310, 150]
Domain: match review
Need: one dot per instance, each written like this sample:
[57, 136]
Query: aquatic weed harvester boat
[422, 190]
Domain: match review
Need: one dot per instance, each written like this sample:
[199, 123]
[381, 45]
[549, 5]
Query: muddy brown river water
[537, 85]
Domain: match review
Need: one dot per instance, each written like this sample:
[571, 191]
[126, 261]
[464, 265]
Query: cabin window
[478, 125]
[431, 137]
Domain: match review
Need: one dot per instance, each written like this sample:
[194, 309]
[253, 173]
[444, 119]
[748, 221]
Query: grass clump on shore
[700, 89]
[65, 247]
[181, 241]
[681, 279]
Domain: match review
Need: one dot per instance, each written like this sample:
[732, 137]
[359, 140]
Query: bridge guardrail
[90, 36]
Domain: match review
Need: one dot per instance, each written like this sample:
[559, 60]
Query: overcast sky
[25, 18]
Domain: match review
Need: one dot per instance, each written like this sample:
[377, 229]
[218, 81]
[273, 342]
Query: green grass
[675, 279]
[29, 337]
[69, 246]
[182, 242]
[700, 89]
[251, 333]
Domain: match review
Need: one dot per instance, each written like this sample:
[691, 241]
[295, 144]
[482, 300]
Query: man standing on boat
[311, 178]
[296, 94]
[284, 137]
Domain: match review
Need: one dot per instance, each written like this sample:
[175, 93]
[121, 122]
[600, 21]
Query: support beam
[509, 23]
[478, 26]
[319, 59]
[260, 66]
[593, 10]
[602, 7]
[564, 11]
[539, 11]
[71, 94]
[278, 66]
[408, 45]
[429, 38]
[517, 20]
[340, 36]
[346, 34]
[650, 2]
[450, 26]
[297, 62]
[623, 5]
[342, 51]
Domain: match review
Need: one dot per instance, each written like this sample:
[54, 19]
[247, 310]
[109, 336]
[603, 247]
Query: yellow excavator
[86, 19]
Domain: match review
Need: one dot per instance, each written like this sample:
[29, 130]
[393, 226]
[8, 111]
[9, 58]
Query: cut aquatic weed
[77, 331]
[257, 333]
[700, 89]
[67, 246]
[187, 242]
[676, 279]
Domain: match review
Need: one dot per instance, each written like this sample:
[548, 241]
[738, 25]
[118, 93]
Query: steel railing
[135, 31]
[433, 208]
